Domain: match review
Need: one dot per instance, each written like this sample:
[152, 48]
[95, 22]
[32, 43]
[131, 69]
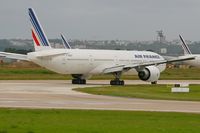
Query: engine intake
[149, 74]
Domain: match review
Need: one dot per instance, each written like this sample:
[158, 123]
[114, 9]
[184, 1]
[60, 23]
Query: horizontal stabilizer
[47, 53]
[13, 56]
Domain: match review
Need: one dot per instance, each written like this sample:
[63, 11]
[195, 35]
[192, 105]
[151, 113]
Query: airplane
[188, 53]
[83, 63]
[65, 42]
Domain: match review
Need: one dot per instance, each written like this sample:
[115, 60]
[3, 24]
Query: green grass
[145, 91]
[91, 121]
[38, 73]
[181, 74]
[30, 74]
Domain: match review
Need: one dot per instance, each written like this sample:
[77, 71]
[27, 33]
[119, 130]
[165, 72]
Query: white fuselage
[89, 62]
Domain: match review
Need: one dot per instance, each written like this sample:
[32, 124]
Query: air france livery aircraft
[65, 42]
[82, 63]
[188, 53]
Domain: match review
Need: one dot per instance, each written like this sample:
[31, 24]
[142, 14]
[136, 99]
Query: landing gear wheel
[78, 81]
[117, 82]
[154, 83]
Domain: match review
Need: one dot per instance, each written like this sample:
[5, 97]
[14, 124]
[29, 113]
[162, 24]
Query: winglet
[185, 46]
[65, 43]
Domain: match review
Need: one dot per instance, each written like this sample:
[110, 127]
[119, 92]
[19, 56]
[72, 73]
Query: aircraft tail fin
[185, 46]
[39, 38]
[65, 42]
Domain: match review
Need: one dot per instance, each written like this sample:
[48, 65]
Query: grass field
[91, 121]
[37, 73]
[145, 91]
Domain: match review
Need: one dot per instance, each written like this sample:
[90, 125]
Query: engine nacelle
[149, 74]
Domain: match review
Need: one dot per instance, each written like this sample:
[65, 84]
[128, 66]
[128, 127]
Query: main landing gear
[154, 83]
[117, 80]
[78, 79]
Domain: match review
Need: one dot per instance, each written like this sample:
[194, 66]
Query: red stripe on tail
[35, 39]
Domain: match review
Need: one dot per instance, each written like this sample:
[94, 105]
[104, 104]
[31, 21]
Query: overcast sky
[103, 19]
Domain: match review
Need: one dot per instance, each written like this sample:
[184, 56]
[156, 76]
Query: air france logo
[147, 56]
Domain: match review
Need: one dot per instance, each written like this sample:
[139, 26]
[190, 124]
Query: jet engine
[149, 74]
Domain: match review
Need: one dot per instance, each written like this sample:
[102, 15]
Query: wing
[13, 56]
[121, 68]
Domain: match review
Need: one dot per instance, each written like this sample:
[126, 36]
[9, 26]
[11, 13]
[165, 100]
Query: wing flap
[113, 69]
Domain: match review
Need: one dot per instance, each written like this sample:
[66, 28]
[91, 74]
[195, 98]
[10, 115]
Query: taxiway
[59, 94]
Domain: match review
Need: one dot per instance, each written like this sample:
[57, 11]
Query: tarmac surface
[59, 94]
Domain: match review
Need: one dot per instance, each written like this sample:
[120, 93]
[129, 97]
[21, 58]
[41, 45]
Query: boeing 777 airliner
[83, 63]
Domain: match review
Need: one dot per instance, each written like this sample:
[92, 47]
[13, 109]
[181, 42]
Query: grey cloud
[103, 19]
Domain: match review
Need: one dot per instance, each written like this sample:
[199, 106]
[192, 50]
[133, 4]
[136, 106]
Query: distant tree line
[19, 51]
[173, 48]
